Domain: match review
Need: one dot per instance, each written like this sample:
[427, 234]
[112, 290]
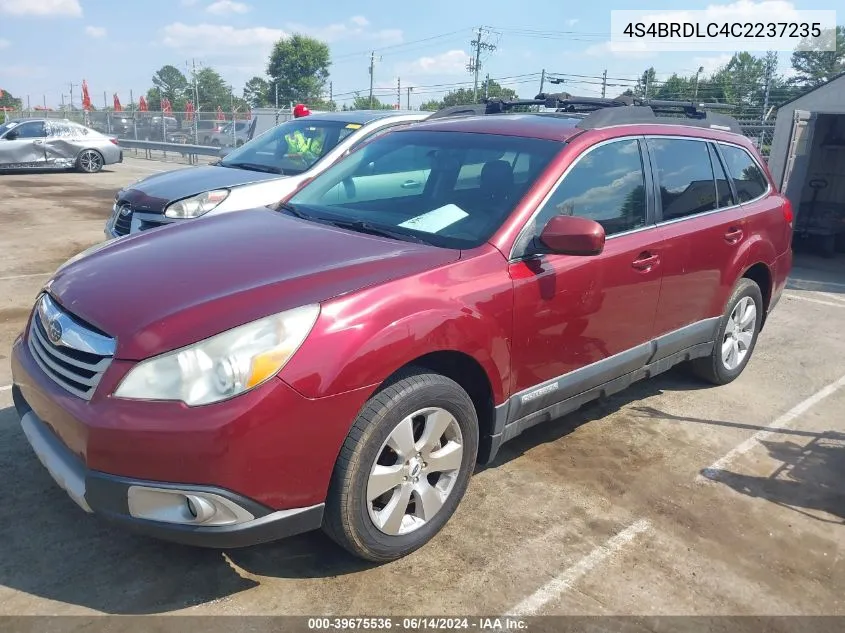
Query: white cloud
[41, 7]
[95, 31]
[227, 7]
[638, 49]
[354, 28]
[711, 63]
[4, 43]
[449, 63]
[22, 70]
[572, 22]
[209, 38]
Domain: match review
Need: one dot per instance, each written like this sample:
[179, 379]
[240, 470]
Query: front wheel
[403, 468]
[736, 336]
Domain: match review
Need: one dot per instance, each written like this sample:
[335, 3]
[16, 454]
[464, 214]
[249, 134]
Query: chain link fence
[198, 128]
[761, 134]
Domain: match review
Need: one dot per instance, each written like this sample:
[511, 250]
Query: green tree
[168, 83]
[362, 102]
[645, 83]
[9, 101]
[465, 96]
[299, 66]
[815, 67]
[675, 88]
[257, 93]
[433, 105]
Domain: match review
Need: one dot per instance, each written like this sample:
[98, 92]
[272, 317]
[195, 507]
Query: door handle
[410, 184]
[733, 235]
[645, 261]
[38, 142]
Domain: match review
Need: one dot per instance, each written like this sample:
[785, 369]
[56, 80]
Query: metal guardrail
[192, 152]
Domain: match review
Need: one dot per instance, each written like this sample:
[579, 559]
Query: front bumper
[110, 497]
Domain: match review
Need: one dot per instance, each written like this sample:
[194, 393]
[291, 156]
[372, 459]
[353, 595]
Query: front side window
[428, 185]
[749, 180]
[290, 148]
[685, 177]
[606, 185]
[30, 129]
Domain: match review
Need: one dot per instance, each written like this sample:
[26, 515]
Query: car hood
[169, 287]
[154, 193]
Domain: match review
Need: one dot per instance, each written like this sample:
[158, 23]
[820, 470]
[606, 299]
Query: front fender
[363, 338]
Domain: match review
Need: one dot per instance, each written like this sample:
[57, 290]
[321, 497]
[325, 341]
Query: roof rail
[596, 112]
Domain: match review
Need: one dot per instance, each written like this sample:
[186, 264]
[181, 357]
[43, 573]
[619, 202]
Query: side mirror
[12, 135]
[570, 235]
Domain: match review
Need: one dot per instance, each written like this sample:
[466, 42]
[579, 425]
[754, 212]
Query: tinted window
[31, 129]
[426, 185]
[723, 187]
[606, 185]
[685, 177]
[748, 178]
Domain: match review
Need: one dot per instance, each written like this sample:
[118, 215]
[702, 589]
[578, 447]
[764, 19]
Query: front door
[581, 321]
[24, 145]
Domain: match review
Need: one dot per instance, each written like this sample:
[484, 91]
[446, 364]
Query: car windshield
[449, 189]
[292, 147]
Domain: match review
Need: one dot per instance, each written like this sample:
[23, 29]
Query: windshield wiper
[365, 227]
[294, 211]
[254, 167]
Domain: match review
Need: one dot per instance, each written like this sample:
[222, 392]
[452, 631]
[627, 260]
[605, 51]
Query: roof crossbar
[601, 112]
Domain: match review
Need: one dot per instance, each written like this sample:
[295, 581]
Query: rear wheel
[403, 468]
[89, 161]
[736, 336]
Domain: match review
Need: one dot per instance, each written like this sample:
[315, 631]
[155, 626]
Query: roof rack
[598, 112]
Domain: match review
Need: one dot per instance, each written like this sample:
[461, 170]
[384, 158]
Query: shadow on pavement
[809, 481]
[51, 549]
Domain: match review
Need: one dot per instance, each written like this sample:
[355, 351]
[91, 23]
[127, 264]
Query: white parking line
[814, 285]
[830, 295]
[783, 422]
[819, 301]
[562, 583]
[13, 277]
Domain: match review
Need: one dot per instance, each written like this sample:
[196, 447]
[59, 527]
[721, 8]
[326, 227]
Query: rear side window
[748, 178]
[685, 177]
[606, 185]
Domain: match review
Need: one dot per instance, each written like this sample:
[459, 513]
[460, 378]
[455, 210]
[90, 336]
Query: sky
[47, 47]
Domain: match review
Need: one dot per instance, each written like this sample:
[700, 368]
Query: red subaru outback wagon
[345, 359]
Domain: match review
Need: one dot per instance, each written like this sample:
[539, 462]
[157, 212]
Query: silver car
[55, 144]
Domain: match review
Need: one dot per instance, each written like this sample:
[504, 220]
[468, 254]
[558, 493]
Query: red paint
[384, 304]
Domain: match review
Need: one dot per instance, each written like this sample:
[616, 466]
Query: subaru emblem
[54, 331]
[125, 210]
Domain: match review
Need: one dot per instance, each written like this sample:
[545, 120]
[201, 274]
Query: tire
[367, 528]
[717, 368]
[89, 161]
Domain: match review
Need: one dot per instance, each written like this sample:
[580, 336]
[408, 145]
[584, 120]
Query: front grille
[79, 356]
[151, 224]
[123, 223]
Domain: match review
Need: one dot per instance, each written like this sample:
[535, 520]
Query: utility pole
[604, 83]
[63, 102]
[45, 101]
[771, 61]
[71, 94]
[486, 86]
[331, 92]
[475, 65]
[542, 81]
[372, 68]
[398, 93]
[697, 73]
[410, 88]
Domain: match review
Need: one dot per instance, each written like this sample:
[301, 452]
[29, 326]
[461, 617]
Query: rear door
[24, 145]
[702, 228]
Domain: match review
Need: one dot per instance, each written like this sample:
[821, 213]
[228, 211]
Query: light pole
[697, 73]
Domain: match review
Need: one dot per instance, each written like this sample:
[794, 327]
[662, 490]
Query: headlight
[224, 365]
[197, 205]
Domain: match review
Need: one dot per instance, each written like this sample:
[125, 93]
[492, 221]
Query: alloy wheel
[739, 333]
[90, 161]
[415, 471]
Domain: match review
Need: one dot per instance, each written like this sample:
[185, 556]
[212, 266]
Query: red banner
[117, 106]
[86, 99]
[142, 105]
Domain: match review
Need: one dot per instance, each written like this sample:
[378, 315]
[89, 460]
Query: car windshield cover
[7, 126]
[449, 189]
[292, 147]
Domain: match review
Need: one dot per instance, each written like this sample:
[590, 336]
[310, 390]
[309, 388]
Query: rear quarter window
[748, 177]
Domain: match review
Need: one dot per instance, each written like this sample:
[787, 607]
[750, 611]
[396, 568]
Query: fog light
[184, 507]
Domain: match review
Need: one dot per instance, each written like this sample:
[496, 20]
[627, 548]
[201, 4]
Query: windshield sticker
[353, 126]
[436, 220]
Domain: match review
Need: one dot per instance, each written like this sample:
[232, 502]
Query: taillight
[788, 214]
[114, 140]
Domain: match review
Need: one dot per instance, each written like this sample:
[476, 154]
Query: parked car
[206, 129]
[345, 360]
[227, 137]
[55, 144]
[259, 173]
